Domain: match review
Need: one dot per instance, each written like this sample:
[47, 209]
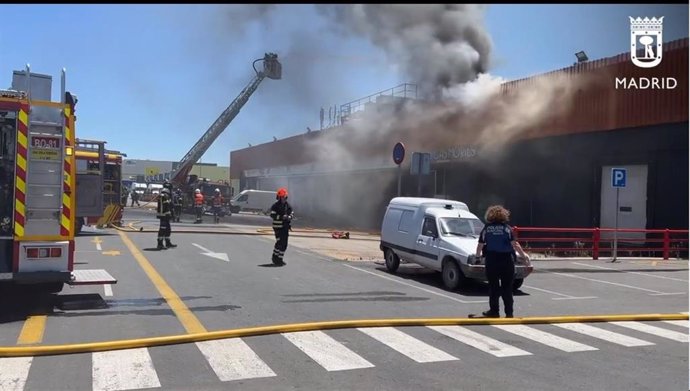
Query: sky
[151, 79]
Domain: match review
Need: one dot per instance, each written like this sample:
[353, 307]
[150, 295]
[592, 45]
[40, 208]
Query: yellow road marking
[184, 315]
[98, 242]
[32, 331]
[111, 252]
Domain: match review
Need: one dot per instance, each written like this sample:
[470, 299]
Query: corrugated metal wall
[596, 106]
[600, 106]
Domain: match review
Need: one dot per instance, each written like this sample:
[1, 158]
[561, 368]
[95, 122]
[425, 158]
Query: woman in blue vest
[500, 249]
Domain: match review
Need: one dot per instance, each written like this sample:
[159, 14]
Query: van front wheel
[392, 260]
[452, 275]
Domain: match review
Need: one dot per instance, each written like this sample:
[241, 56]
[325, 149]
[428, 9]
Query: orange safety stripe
[66, 222]
[20, 171]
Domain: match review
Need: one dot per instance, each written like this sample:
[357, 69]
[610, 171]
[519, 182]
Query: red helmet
[282, 192]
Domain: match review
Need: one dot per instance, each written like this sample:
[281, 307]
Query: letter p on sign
[618, 176]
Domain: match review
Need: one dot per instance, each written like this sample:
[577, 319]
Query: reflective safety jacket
[164, 206]
[281, 214]
[218, 200]
[198, 199]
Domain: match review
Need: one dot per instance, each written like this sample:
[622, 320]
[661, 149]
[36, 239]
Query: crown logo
[646, 24]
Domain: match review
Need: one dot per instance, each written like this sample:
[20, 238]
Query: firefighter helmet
[217, 190]
[282, 192]
[197, 191]
[167, 185]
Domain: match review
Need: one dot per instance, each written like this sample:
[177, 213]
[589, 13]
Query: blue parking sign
[618, 176]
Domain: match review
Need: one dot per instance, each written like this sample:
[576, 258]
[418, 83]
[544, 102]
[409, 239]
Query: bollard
[595, 243]
[667, 244]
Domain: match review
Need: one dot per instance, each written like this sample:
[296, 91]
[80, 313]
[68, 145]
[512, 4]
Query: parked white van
[253, 201]
[437, 234]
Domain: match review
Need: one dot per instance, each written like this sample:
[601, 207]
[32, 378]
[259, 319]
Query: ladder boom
[272, 70]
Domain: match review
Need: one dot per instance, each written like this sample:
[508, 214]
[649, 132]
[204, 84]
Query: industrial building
[144, 170]
[555, 172]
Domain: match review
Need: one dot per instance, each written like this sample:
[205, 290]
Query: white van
[253, 201]
[441, 235]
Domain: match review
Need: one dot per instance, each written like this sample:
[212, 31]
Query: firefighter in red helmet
[281, 214]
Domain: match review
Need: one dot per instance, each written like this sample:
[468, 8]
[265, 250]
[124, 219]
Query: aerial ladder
[271, 69]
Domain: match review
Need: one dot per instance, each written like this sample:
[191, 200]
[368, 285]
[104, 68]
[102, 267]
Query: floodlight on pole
[581, 56]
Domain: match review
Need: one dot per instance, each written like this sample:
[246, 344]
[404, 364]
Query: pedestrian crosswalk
[237, 359]
[128, 369]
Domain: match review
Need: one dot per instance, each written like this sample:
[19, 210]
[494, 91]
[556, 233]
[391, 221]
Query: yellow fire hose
[15, 351]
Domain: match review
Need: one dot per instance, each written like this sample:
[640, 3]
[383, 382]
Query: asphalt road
[193, 288]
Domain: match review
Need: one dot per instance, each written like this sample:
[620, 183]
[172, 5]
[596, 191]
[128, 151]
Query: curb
[311, 326]
[259, 232]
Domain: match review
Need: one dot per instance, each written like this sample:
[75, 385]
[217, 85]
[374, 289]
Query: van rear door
[426, 246]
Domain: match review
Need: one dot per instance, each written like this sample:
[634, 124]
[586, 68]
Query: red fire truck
[37, 187]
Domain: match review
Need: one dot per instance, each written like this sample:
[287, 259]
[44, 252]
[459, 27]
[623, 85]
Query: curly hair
[497, 214]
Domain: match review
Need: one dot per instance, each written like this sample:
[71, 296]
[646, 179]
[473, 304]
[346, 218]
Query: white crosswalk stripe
[13, 372]
[606, 335]
[233, 359]
[658, 331]
[545, 338]
[128, 369]
[329, 353]
[479, 341]
[681, 323]
[409, 346]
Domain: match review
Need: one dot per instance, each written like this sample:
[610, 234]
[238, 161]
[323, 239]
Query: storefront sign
[454, 153]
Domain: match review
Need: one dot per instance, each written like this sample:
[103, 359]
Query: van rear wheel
[392, 260]
[452, 275]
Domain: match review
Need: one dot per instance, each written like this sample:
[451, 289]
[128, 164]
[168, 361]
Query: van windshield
[461, 226]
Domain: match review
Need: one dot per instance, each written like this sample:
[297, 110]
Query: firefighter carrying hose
[281, 214]
[198, 205]
[165, 214]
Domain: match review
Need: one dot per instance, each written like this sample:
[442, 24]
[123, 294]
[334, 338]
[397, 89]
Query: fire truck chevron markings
[221, 256]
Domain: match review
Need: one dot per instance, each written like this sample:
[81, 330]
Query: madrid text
[646, 83]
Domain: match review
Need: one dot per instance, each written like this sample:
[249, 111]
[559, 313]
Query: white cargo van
[441, 235]
[253, 201]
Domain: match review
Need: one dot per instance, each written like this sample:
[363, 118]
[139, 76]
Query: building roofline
[681, 43]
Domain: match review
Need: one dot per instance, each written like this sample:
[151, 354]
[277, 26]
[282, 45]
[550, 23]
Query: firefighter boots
[169, 244]
[160, 245]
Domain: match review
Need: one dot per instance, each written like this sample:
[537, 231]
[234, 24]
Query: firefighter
[135, 197]
[281, 214]
[198, 205]
[165, 214]
[217, 204]
[177, 204]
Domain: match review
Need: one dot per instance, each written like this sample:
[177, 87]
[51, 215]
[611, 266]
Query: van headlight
[474, 260]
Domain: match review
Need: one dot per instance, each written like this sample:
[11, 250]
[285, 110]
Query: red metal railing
[595, 241]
